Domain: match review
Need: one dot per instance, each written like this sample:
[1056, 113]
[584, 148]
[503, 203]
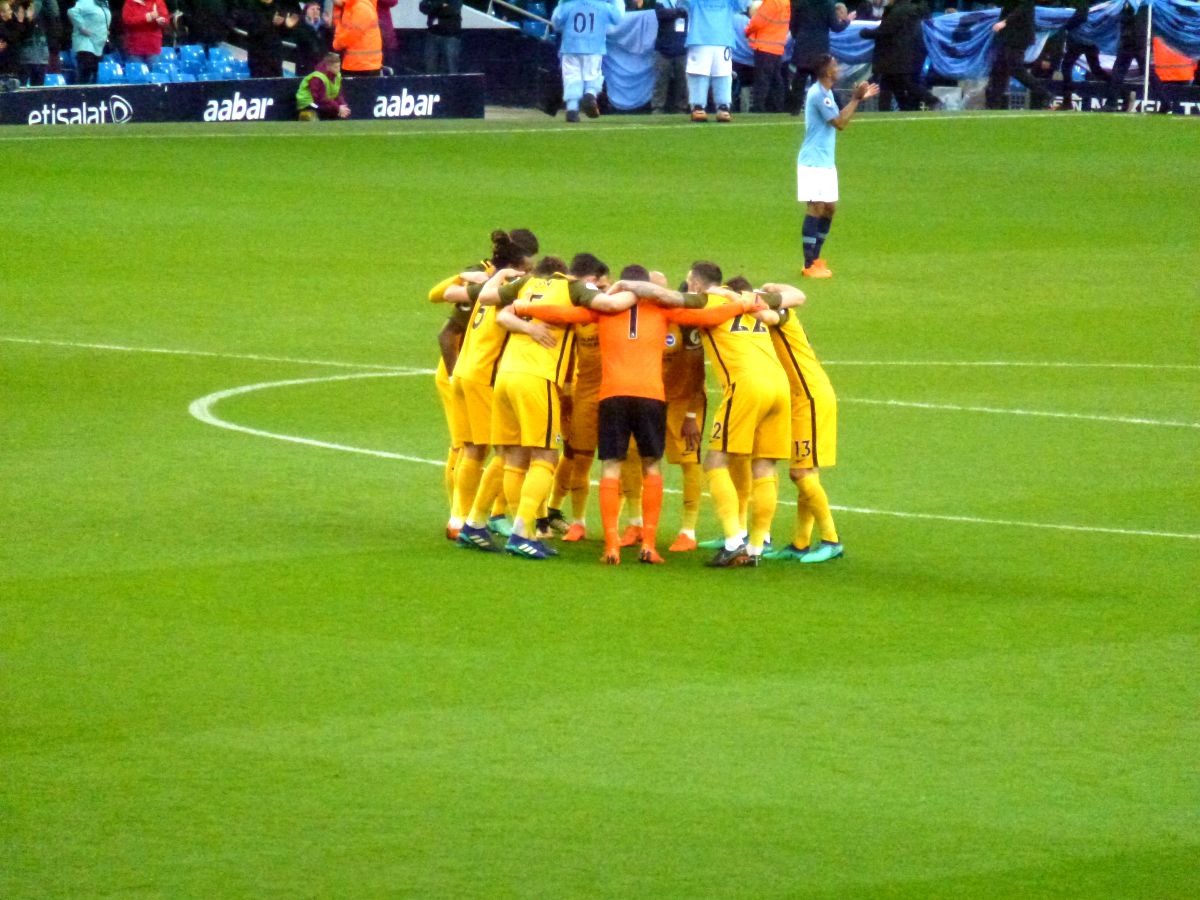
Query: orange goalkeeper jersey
[631, 342]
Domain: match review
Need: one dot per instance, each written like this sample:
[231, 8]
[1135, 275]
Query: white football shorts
[816, 184]
[710, 60]
[583, 67]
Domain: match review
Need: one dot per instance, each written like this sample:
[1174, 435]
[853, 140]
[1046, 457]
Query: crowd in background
[35, 33]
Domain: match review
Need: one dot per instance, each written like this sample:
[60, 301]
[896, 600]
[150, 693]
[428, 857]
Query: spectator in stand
[356, 36]
[388, 41]
[264, 24]
[811, 22]
[1131, 48]
[12, 33]
[870, 10]
[899, 51]
[207, 21]
[1075, 47]
[33, 54]
[670, 59]
[308, 34]
[1013, 35]
[768, 34]
[89, 34]
[320, 93]
[443, 44]
[144, 22]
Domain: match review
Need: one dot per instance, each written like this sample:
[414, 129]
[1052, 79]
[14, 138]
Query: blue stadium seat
[168, 55]
[241, 68]
[157, 76]
[55, 79]
[218, 55]
[190, 58]
[183, 77]
[137, 73]
[110, 72]
[220, 72]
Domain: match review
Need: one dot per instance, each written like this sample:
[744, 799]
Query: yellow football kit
[814, 403]
[754, 417]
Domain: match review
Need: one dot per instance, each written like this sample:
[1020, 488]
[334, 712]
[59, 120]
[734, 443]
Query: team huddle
[538, 353]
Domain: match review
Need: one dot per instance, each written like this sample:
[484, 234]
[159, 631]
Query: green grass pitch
[237, 666]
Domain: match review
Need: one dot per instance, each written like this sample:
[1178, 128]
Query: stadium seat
[137, 73]
[110, 72]
[55, 79]
[241, 68]
[218, 55]
[220, 72]
[182, 77]
[168, 55]
[190, 58]
[157, 76]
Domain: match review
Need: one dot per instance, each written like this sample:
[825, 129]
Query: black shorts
[639, 417]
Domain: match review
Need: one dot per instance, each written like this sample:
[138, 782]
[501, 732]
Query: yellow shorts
[754, 419]
[456, 412]
[474, 402]
[814, 428]
[582, 432]
[526, 412]
[677, 410]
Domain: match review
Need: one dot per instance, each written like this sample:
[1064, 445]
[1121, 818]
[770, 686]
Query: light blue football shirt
[584, 24]
[819, 135]
[710, 22]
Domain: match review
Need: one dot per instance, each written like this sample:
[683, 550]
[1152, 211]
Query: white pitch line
[202, 409]
[1087, 417]
[254, 357]
[533, 128]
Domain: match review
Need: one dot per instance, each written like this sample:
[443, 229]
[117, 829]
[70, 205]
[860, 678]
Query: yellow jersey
[796, 354]
[522, 354]
[741, 349]
[682, 378]
[482, 344]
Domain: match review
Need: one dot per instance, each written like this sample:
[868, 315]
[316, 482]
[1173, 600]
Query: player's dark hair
[506, 254]
[635, 273]
[525, 240]
[739, 283]
[548, 265]
[585, 265]
[706, 271]
[822, 61]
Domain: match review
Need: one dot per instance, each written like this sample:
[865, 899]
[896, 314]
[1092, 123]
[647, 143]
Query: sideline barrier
[256, 100]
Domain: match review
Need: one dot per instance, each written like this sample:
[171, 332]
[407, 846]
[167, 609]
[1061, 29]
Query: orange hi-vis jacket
[1171, 65]
[356, 36]
[768, 29]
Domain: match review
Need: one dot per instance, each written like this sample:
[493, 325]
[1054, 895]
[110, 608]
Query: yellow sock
[562, 481]
[739, 471]
[466, 483]
[631, 484]
[693, 488]
[817, 501]
[581, 485]
[725, 499]
[490, 486]
[534, 491]
[766, 495]
[450, 476]
[513, 479]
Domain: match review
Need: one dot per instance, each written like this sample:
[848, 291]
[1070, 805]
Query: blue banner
[959, 45]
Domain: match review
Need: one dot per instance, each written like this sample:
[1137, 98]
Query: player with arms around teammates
[816, 173]
[583, 25]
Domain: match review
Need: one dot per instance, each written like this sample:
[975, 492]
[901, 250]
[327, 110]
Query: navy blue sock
[809, 232]
[822, 232]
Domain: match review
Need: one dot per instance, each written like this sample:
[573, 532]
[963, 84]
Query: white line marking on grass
[202, 409]
[1125, 420]
[254, 357]
[533, 127]
[1014, 364]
